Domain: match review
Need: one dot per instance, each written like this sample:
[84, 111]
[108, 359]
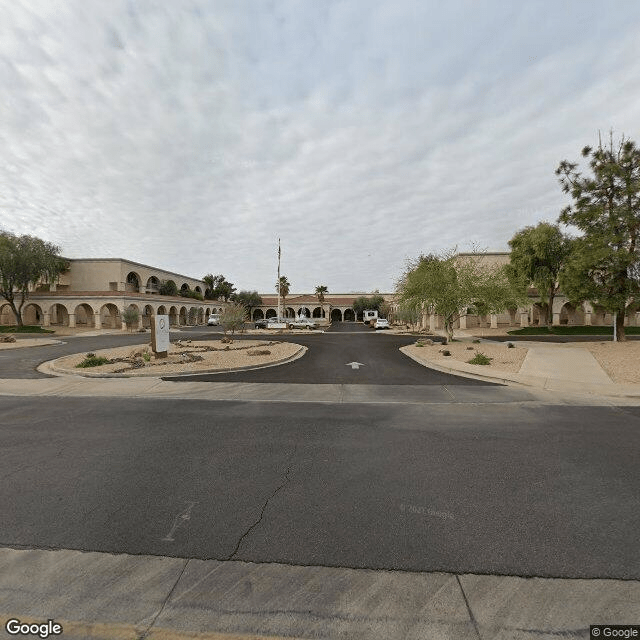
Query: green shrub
[476, 341]
[92, 361]
[168, 288]
[187, 293]
[480, 358]
[445, 352]
[131, 315]
[510, 345]
[26, 328]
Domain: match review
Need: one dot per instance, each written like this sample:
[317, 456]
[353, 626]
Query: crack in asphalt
[285, 481]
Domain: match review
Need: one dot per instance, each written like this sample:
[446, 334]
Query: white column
[72, 319]
[524, 319]
[556, 319]
[494, 321]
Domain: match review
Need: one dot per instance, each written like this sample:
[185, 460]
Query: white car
[304, 323]
[382, 323]
[214, 320]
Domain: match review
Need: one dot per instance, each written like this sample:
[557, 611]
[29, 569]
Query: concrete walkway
[122, 597]
[563, 368]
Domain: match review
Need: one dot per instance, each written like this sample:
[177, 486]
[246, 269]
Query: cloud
[361, 133]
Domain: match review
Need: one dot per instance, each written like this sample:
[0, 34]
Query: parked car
[214, 320]
[267, 323]
[304, 323]
[381, 323]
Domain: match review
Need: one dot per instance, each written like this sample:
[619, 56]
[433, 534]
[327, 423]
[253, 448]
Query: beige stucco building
[94, 292]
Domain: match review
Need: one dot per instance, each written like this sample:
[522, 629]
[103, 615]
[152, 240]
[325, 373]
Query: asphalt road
[348, 354]
[509, 486]
[518, 489]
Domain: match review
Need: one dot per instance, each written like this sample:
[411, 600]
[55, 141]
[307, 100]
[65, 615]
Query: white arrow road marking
[355, 365]
[180, 519]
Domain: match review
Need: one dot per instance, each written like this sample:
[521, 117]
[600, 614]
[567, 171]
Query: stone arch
[317, 313]
[153, 285]
[7, 316]
[182, 318]
[147, 312]
[538, 314]
[59, 315]
[161, 311]
[304, 311]
[271, 313]
[257, 314]
[110, 316]
[289, 313]
[198, 289]
[336, 315]
[207, 312]
[132, 283]
[571, 315]
[85, 315]
[349, 315]
[32, 314]
[173, 317]
[184, 287]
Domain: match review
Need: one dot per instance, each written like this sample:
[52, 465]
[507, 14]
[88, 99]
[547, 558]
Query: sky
[191, 135]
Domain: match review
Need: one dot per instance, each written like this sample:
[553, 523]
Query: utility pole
[279, 301]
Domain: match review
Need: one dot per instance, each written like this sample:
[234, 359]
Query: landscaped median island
[501, 356]
[184, 357]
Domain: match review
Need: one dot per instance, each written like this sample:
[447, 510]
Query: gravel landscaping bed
[621, 360]
[185, 357]
[502, 357]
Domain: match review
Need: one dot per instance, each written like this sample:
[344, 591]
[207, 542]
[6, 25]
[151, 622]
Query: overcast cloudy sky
[190, 135]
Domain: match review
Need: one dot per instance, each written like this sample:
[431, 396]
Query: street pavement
[413, 508]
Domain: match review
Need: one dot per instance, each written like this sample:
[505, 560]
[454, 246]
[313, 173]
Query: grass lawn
[25, 329]
[573, 330]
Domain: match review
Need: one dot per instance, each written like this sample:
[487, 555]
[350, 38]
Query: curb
[540, 382]
[51, 368]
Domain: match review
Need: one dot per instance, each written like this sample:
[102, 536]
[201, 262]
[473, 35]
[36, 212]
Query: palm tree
[320, 291]
[283, 287]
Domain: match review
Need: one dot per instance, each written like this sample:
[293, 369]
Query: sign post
[160, 335]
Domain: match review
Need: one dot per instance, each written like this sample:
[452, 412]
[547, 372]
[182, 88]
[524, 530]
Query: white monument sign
[160, 335]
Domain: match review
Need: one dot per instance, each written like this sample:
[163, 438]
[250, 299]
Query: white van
[369, 316]
[214, 320]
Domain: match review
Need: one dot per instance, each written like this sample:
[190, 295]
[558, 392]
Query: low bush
[510, 345]
[187, 293]
[24, 329]
[445, 352]
[480, 358]
[92, 361]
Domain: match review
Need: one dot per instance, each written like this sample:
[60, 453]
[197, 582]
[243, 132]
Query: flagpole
[279, 303]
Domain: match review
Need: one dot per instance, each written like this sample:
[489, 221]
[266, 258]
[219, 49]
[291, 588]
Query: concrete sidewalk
[559, 367]
[112, 597]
